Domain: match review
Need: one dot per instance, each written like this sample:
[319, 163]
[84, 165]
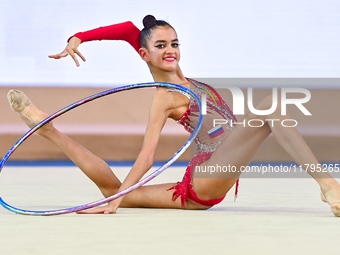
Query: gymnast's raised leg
[84, 159]
[153, 196]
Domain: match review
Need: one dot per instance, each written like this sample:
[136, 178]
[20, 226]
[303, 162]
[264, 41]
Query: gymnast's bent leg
[241, 145]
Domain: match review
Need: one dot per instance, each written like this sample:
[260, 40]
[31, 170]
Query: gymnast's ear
[144, 54]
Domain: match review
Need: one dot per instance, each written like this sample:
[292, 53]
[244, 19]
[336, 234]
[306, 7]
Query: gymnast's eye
[160, 46]
[175, 45]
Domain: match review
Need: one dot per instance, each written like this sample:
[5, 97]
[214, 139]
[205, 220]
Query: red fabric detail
[126, 31]
[236, 189]
[185, 120]
[184, 188]
[211, 202]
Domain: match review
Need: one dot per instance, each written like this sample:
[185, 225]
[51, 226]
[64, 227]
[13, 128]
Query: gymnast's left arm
[126, 31]
[159, 113]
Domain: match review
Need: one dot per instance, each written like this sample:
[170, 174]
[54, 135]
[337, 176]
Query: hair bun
[149, 21]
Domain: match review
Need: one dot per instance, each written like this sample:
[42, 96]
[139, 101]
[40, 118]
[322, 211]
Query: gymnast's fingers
[67, 52]
[60, 55]
[71, 49]
[98, 210]
[80, 55]
[74, 58]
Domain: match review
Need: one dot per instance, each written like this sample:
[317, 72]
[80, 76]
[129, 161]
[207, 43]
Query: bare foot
[28, 112]
[331, 195]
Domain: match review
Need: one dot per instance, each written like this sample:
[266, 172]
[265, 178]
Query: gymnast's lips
[170, 59]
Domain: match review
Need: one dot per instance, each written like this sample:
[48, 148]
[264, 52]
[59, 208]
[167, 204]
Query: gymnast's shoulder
[162, 99]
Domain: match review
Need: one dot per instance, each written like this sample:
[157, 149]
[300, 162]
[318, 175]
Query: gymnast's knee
[108, 191]
[267, 103]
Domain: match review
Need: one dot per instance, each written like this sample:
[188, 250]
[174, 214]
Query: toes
[335, 207]
[27, 111]
[336, 211]
[18, 100]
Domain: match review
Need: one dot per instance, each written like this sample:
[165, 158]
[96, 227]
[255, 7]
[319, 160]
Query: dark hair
[150, 23]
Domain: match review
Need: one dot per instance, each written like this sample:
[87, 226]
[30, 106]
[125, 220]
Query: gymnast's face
[162, 49]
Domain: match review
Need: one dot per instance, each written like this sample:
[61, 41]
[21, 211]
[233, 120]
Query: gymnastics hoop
[125, 191]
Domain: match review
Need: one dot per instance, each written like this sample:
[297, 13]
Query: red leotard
[206, 144]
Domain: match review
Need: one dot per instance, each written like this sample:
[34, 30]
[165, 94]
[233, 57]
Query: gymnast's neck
[175, 77]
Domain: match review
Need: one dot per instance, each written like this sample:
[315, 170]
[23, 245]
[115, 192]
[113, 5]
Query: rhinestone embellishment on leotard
[179, 91]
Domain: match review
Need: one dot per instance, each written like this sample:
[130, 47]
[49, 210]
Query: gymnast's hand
[111, 207]
[71, 49]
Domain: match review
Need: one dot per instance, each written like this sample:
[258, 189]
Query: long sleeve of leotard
[126, 31]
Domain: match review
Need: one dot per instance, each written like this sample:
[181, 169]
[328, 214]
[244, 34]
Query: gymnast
[158, 45]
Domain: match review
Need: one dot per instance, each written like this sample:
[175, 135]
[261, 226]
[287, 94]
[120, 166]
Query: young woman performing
[158, 46]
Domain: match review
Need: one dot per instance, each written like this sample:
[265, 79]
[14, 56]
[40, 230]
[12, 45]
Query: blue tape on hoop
[123, 192]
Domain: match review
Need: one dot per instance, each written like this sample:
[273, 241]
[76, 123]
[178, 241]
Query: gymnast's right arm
[126, 31]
